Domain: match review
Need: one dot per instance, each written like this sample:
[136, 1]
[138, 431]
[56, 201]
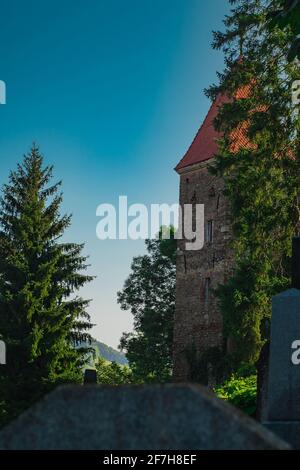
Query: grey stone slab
[156, 417]
[284, 376]
[289, 431]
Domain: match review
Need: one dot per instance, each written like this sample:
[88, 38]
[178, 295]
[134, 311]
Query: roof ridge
[205, 124]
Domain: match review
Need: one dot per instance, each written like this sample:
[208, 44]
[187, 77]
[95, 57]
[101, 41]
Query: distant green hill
[106, 352]
[110, 354]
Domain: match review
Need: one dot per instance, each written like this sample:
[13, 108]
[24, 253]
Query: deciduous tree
[149, 292]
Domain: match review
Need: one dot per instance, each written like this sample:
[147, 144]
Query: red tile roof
[205, 145]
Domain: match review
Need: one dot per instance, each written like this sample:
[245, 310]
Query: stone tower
[198, 322]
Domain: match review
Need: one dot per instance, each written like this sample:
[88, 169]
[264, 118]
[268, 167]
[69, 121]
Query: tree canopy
[41, 320]
[149, 292]
[261, 177]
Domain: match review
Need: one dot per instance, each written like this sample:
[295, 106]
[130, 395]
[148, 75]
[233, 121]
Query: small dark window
[194, 217]
[187, 180]
[213, 260]
[193, 199]
[218, 201]
[209, 231]
[212, 192]
[207, 285]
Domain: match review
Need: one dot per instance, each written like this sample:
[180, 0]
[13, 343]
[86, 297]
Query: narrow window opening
[194, 218]
[209, 231]
[207, 285]
[212, 192]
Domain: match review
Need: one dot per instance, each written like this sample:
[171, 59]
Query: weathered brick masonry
[198, 321]
[197, 318]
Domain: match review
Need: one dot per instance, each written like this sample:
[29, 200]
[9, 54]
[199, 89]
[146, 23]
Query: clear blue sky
[112, 91]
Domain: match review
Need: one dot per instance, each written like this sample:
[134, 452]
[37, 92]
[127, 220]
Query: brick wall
[197, 317]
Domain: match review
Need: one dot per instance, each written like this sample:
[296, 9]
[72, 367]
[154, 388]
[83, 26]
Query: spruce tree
[41, 321]
[286, 14]
[261, 177]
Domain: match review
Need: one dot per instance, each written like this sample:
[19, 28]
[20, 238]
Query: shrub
[111, 373]
[240, 392]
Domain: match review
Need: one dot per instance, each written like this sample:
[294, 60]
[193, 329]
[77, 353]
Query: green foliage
[285, 14]
[149, 292]
[262, 179]
[39, 322]
[240, 392]
[111, 373]
[167, 243]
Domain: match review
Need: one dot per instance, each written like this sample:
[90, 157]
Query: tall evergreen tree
[149, 292]
[286, 14]
[261, 178]
[39, 321]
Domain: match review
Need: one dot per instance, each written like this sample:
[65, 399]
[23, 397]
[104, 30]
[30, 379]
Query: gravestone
[129, 417]
[296, 263]
[90, 376]
[283, 401]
